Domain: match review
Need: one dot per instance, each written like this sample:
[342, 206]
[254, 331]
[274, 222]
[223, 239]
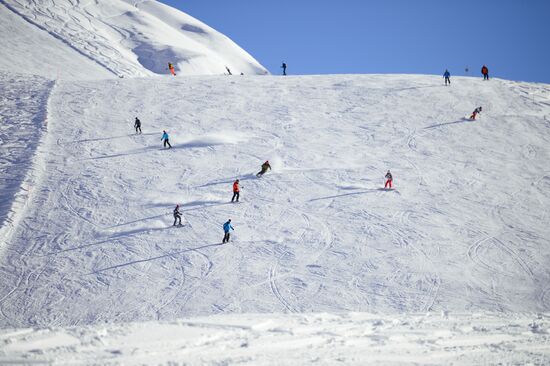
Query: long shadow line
[342, 195]
[152, 258]
[448, 123]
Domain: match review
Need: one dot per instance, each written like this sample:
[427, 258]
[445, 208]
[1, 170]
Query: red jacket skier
[389, 179]
[236, 191]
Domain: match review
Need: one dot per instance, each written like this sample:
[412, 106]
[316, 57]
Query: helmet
[229, 220]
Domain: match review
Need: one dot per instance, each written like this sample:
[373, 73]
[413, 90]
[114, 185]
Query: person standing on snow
[236, 190]
[166, 140]
[283, 66]
[485, 72]
[447, 76]
[265, 166]
[137, 125]
[177, 215]
[226, 228]
[171, 68]
[475, 113]
[389, 179]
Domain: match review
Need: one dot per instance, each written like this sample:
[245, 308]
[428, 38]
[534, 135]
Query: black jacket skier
[137, 125]
[177, 215]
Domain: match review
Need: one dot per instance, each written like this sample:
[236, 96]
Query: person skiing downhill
[389, 180]
[171, 68]
[485, 72]
[236, 190]
[227, 227]
[283, 66]
[265, 166]
[475, 113]
[447, 76]
[137, 125]
[166, 140]
[228, 71]
[177, 215]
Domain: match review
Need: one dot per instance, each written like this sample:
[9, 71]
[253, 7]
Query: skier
[228, 71]
[447, 76]
[475, 113]
[177, 215]
[137, 125]
[265, 166]
[283, 66]
[171, 68]
[226, 228]
[165, 138]
[389, 179]
[485, 72]
[236, 190]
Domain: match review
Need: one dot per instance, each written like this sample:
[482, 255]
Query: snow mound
[321, 339]
[87, 40]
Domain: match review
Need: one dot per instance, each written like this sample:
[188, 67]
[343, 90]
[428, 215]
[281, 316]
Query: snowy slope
[90, 40]
[319, 339]
[465, 230]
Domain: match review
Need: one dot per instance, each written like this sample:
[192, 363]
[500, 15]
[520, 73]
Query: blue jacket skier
[227, 227]
[165, 138]
[447, 76]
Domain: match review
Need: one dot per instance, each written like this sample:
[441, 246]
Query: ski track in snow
[463, 229]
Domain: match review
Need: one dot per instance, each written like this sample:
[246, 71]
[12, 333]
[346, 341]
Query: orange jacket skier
[171, 68]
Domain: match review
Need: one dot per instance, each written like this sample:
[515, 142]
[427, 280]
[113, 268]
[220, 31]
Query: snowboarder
[236, 190]
[265, 166]
[165, 138]
[475, 113]
[389, 179]
[228, 71]
[171, 68]
[447, 76]
[485, 72]
[137, 125]
[283, 66]
[226, 228]
[177, 215]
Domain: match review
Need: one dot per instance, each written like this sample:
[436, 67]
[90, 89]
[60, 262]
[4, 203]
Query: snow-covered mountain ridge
[65, 39]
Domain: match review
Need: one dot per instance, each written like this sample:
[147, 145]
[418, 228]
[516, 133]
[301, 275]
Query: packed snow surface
[464, 229]
[300, 339]
[65, 39]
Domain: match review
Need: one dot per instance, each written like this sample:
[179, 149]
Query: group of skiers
[484, 72]
[227, 226]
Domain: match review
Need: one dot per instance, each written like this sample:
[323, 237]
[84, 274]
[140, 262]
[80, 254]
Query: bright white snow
[86, 237]
[90, 40]
[319, 339]
[466, 228]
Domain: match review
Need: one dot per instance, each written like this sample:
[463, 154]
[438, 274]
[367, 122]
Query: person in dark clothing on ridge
[485, 72]
[265, 166]
[283, 66]
[137, 125]
[177, 215]
[236, 190]
[447, 76]
[226, 228]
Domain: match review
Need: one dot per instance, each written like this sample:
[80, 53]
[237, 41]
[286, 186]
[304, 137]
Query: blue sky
[387, 36]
